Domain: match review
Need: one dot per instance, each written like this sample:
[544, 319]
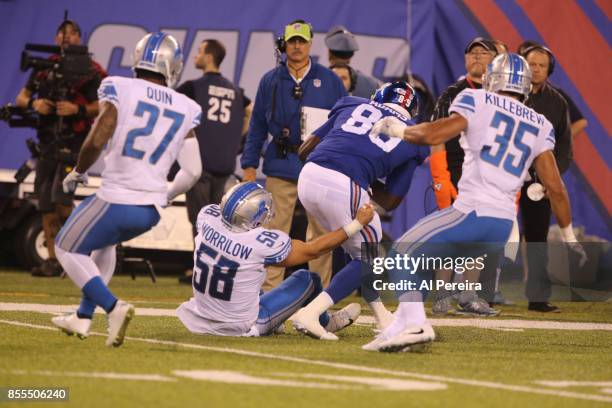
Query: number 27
[153, 111]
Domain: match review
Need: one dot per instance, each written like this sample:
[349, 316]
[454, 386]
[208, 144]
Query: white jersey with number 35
[502, 139]
[152, 123]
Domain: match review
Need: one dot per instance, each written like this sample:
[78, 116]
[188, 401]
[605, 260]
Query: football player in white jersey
[501, 138]
[145, 126]
[232, 251]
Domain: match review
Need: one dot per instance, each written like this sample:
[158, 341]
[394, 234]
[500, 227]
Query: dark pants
[535, 222]
[48, 185]
[208, 190]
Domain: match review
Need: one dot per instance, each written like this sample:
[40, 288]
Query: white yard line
[352, 367]
[94, 374]
[483, 323]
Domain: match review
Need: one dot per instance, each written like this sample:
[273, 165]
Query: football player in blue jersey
[344, 164]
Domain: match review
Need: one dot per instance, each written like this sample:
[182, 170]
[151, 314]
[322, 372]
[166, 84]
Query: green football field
[520, 359]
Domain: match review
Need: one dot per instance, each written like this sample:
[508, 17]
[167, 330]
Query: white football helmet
[245, 206]
[159, 52]
[509, 73]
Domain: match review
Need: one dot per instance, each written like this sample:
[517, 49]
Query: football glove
[70, 182]
[390, 126]
[443, 187]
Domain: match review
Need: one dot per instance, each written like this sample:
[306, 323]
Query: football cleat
[71, 324]
[310, 326]
[118, 321]
[343, 318]
[443, 306]
[476, 307]
[413, 338]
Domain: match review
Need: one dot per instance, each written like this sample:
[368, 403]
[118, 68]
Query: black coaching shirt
[550, 103]
[220, 130]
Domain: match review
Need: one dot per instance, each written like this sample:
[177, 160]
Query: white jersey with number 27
[152, 122]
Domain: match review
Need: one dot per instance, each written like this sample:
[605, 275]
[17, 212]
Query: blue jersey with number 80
[347, 147]
[501, 141]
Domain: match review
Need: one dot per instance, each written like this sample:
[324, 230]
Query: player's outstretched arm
[307, 147]
[100, 133]
[191, 167]
[383, 198]
[302, 252]
[548, 173]
[430, 133]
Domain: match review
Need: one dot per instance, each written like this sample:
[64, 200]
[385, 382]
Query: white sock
[382, 315]
[106, 260]
[320, 304]
[411, 310]
[80, 268]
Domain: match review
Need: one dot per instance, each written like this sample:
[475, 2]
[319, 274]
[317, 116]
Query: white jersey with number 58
[229, 271]
[152, 123]
[502, 139]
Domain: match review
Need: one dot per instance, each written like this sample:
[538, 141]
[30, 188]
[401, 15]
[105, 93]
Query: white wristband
[568, 234]
[352, 228]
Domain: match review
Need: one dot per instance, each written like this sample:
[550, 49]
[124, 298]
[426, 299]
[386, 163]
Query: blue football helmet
[245, 206]
[398, 93]
[159, 52]
[508, 73]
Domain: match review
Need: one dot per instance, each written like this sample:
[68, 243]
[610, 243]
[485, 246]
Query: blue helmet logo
[399, 93]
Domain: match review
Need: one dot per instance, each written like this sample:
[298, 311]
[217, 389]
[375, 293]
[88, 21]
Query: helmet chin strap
[398, 109]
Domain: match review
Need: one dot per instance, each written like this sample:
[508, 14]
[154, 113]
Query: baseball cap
[338, 38]
[298, 29]
[484, 43]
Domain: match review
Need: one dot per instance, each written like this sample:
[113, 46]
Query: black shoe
[50, 268]
[544, 307]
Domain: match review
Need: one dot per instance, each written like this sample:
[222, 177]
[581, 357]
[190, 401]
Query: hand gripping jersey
[502, 139]
[229, 270]
[152, 123]
[347, 147]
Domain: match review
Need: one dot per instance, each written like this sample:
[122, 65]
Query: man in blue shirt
[296, 82]
[346, 164]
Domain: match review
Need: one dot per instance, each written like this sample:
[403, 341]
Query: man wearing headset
[297, 82]
[544, 99]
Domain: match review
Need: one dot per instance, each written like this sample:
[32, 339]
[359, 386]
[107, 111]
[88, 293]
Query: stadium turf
[162, 364]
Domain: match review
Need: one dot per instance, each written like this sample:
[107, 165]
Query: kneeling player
[232, 251]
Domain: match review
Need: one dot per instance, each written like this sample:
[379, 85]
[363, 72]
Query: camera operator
[66, 111]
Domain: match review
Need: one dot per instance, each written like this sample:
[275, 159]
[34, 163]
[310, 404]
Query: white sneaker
[374, 345]
[343, 318]
[118, 321]
[71, 324]
[309, 325]
[414, 338]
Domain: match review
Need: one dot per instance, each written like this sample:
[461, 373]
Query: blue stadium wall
[426, 37]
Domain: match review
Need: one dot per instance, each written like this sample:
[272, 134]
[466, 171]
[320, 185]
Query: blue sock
[347, 280]
[86, 308]
[98, 292]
